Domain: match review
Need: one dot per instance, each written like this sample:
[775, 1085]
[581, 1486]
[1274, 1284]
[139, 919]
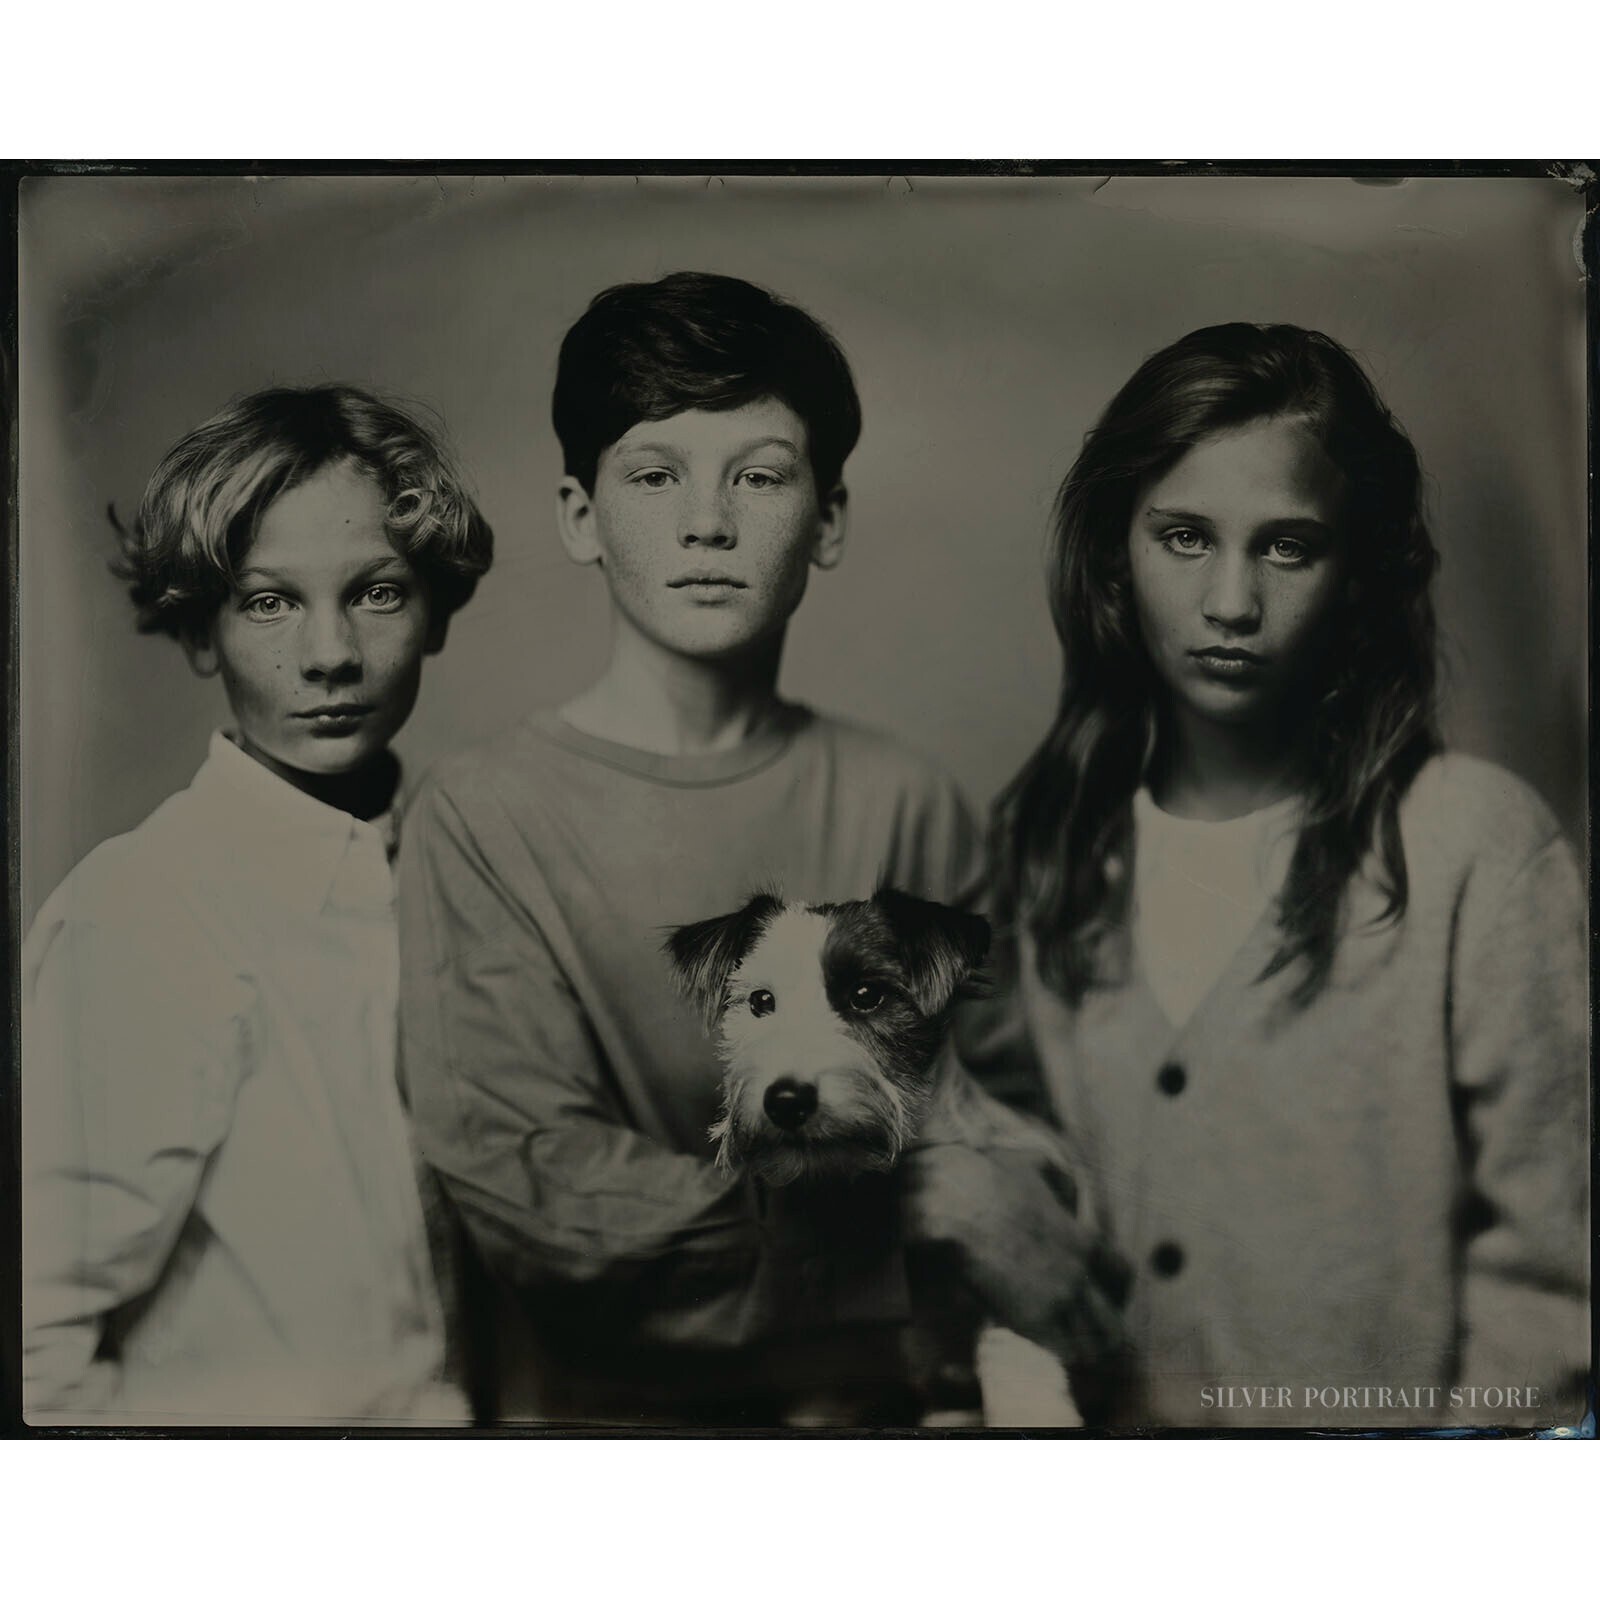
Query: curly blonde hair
[205, 501]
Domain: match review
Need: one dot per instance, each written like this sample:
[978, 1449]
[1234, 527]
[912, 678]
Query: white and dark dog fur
[829, 1021]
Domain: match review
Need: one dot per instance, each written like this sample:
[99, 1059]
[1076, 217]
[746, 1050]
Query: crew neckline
[1264, 816]
[689, 771]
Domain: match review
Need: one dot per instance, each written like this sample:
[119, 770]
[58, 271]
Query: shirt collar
[290, 845]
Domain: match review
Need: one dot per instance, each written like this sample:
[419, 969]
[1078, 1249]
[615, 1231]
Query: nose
[329, 648]
[790, 1103]
[1233, 597]
[708, 522]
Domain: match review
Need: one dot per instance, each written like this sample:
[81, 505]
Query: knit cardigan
[1369, 1210]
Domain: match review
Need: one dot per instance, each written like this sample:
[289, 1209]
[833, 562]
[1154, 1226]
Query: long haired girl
[1308, 992]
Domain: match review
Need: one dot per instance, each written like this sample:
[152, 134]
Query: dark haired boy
[561, 1088]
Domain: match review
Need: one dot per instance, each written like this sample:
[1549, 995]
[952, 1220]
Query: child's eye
[1288, 552]
[264, 607]
[384, 597]
[1184, 541]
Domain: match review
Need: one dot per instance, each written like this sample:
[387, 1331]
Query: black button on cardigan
[1166, 1260]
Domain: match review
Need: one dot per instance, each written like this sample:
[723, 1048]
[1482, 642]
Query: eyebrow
[651, 447]
[646, 447]
[378, 564]
[1274, 525]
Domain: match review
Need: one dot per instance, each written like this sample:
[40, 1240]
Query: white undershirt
[1198, 890]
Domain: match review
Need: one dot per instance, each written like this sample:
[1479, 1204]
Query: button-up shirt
[221, 1221]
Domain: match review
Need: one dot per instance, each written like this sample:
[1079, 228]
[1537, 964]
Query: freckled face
[706, 524]
[1237, 564]
[320, 643]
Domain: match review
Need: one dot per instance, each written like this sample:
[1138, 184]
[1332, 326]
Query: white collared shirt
[221, 1221]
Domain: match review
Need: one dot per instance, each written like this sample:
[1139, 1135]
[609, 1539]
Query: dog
[829, 1021]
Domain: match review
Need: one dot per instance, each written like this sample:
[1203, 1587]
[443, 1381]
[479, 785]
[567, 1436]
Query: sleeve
[1521, 1076]
[992, 1040]
[939, 848]
[513, 1110]
[130, 1067]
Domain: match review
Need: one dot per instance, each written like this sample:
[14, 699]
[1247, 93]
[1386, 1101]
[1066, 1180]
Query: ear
[438, 631]
[200, 651]
[704, 954]
[944, 947]
[575, 513]
[832, 524]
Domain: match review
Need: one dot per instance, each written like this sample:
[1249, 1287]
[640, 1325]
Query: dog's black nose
[789, 1103]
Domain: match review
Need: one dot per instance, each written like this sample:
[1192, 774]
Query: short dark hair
[697, 341]
[206, 499]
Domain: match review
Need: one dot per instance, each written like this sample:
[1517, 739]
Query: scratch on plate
[1575, 174]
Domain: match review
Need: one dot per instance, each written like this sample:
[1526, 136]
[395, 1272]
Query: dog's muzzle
[790, 1104]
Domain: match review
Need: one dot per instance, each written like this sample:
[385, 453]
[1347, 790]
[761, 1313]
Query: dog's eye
[866, 997]
[762, 1002]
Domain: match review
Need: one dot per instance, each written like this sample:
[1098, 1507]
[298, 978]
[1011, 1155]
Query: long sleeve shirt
[564, 1090]
[1370, 1210]
[221, 1222]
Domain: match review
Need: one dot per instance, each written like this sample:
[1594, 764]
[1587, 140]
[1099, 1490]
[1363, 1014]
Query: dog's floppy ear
[944, 948]
[703, 954]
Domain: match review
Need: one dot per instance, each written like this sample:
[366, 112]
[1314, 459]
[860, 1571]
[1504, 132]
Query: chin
[326, 758]
[724, 644]
[1233, 708]
[718, 633]
[1238, 715]
[339, 769]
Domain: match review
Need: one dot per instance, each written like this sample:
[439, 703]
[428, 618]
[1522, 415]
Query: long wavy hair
[1062, 829]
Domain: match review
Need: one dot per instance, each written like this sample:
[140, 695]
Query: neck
[654, 699]
[1214, 772]
[365, 793]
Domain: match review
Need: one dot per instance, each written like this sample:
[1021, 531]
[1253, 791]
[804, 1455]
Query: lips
[706, 580]
[335, 721]
[339, 710]
[1218, 662]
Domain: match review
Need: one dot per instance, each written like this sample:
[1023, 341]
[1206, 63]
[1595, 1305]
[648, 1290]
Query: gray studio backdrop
[987, 322]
